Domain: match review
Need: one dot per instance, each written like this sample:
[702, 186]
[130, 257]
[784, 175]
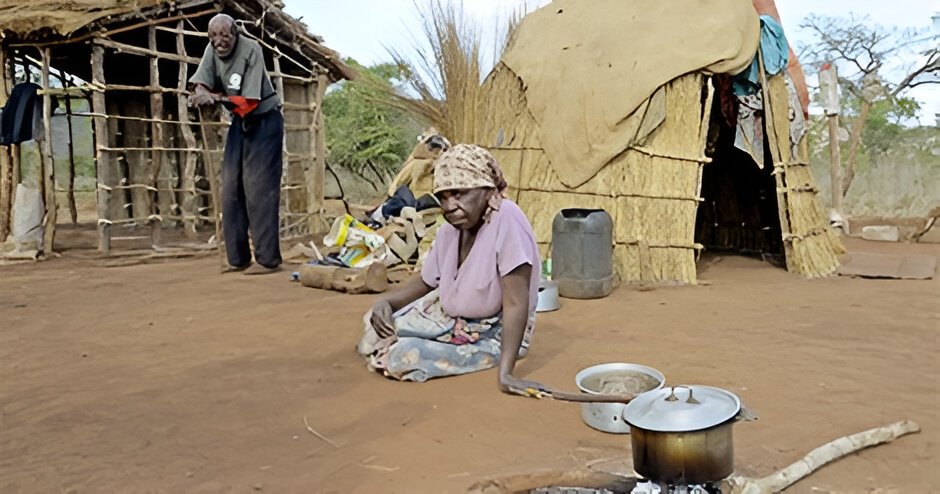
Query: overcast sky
[362, 28]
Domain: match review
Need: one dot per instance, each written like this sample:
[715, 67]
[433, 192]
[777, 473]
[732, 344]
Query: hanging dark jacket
[16, 121]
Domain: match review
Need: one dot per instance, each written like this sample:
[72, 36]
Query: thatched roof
[42, 21]
[39, 19]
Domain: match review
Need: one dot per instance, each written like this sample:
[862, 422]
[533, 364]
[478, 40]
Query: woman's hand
[510, 384]
[382, 321]
[515, 318]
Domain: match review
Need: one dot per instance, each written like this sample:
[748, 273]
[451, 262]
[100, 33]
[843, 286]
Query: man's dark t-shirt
[242, 73]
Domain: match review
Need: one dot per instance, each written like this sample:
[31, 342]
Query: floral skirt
[428, 343]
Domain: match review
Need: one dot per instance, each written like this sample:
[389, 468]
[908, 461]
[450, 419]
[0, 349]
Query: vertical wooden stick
[285, 171]
[73, 210]
[310, 161]
[103, 158]
[319, 169]
[6, 162]
[156, 133]
[188, 208]
[835, 163]
[48, 166]
[15, 155]
[702, 144]
[213, 189]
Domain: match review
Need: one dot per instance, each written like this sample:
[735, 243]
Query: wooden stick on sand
[321, 436]
[820, 456]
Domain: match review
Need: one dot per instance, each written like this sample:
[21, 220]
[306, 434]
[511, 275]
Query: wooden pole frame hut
[156, 160]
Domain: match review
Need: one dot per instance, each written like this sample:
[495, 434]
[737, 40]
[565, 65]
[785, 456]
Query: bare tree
[867, 56]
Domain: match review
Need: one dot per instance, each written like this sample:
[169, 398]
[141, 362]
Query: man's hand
[510, 384]
[202, 96]
[382, 321]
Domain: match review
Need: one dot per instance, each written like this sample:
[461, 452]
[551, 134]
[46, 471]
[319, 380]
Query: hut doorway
[739, 211]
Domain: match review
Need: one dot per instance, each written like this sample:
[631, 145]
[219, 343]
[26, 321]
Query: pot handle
[672, 395]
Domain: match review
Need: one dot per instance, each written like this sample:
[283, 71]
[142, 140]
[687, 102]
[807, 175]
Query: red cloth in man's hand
[242, 105]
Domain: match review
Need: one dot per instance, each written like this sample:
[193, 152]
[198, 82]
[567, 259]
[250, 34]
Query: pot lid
[681, 408]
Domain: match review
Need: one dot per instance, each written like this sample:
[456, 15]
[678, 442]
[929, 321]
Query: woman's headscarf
[467, 166]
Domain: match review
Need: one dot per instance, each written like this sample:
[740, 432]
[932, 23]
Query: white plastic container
[548, 296]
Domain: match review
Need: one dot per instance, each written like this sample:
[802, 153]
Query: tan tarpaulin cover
[588, 64]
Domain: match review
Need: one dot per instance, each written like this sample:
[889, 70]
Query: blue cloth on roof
[774, 49]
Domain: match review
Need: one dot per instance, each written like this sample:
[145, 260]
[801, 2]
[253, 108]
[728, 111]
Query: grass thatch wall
[811, 247]
[651, 190]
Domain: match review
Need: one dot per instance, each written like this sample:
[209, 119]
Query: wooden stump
[372, 279]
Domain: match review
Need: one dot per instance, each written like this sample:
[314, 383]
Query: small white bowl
[548, 296]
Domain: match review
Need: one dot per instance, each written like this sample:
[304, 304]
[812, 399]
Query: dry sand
[172, 378]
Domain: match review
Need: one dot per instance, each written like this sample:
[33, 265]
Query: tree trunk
[853, 146]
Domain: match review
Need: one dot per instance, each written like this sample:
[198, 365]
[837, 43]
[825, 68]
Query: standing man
[232, 72]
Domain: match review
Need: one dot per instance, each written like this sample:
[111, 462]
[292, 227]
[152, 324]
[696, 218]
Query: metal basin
[608, 417]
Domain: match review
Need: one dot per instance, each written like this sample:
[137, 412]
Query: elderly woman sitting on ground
[473, 306]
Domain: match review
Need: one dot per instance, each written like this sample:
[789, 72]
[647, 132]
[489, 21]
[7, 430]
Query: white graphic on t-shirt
[235, 82]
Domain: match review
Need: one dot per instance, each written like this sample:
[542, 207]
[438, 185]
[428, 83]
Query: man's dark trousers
[251, 188]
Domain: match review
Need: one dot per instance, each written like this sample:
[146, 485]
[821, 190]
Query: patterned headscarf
[467, 166]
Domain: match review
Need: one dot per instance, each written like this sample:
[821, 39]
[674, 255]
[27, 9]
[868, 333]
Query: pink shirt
[475, 291]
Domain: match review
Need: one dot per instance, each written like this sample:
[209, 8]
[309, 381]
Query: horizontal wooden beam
[148, 89]
[296, 156]
[136, 50]
[296, 107]
[150, 148]
[291, 77]
[186, 32]
[144, 119]
[74, 91]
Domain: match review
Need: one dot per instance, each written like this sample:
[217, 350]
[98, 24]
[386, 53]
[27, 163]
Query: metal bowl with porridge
[614, 378]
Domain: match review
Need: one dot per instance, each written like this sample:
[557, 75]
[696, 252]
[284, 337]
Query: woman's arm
[387, 304]
[515, 318]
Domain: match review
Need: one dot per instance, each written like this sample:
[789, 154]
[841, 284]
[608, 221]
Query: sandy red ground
[170, 378]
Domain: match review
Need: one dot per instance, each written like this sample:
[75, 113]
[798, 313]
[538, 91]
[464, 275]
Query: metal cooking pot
[608, 417]
[682, 434]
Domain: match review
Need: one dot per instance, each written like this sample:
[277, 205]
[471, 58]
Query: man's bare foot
[235, 269]
[259, 269]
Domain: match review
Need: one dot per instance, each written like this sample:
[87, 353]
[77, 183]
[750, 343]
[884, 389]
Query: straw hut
[123, 65]
[617, 106]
